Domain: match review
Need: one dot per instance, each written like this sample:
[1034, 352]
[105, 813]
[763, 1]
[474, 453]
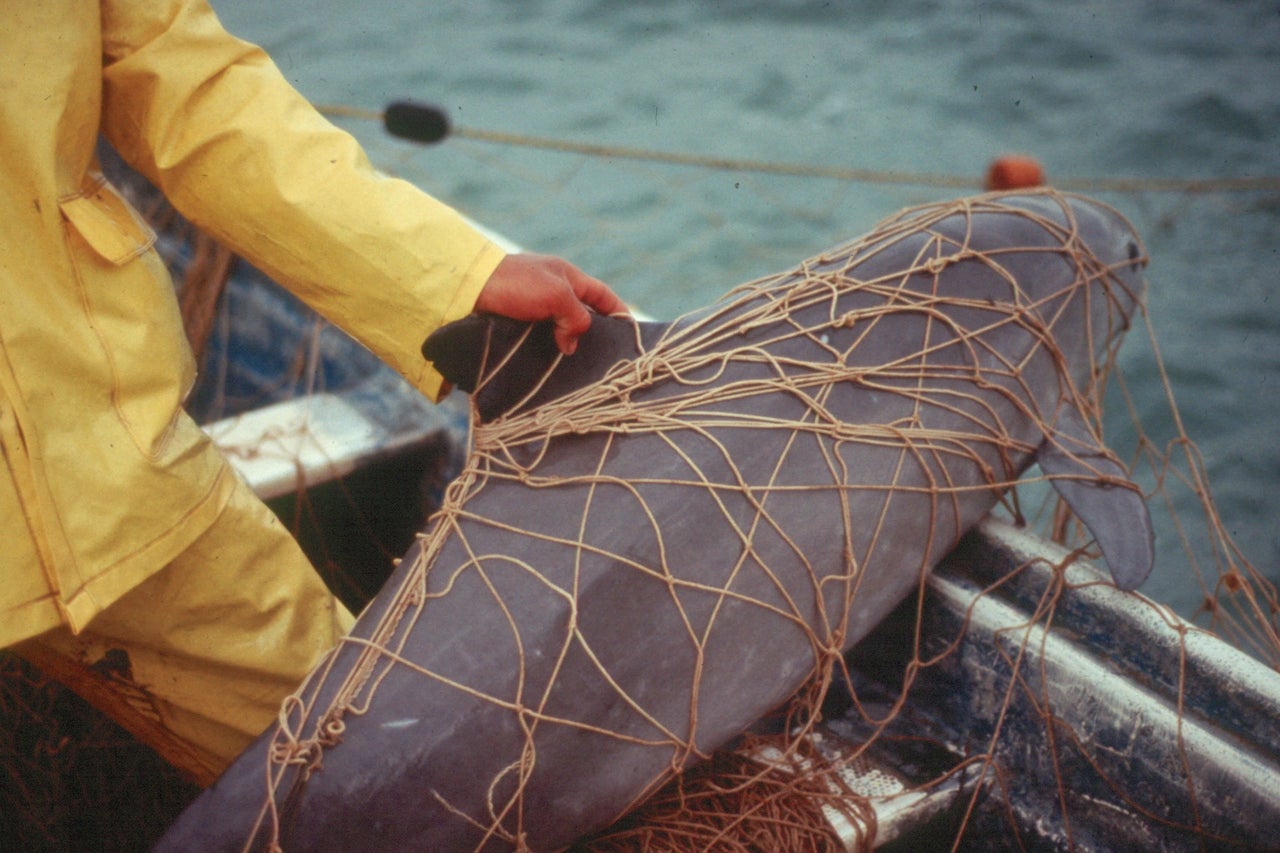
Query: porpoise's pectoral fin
[508, 364]
[1098, 490]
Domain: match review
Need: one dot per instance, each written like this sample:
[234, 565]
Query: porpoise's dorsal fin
[508, 364]
[480, 344]
[1098, 490]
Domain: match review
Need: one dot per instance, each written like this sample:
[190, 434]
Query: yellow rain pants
[104, 480]
[195, 659]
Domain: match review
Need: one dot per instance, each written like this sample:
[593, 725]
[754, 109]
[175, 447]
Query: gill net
[793, 783]
[704, 467]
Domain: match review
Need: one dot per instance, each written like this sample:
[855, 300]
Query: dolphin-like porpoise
[658, 540]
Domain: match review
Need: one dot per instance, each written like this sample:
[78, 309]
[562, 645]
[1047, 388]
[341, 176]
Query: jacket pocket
[129, 299]
[104, 220]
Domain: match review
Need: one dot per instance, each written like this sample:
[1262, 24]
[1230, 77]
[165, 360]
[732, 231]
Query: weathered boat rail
[1091, 719]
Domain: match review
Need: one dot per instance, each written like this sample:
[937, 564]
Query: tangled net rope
[729, 491]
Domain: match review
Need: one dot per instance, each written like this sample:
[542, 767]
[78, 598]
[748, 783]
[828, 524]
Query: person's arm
[212, 122]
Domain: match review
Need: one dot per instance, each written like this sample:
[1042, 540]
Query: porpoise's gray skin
[646, 631]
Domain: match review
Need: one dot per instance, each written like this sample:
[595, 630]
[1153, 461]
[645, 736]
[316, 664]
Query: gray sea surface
[1141, 90]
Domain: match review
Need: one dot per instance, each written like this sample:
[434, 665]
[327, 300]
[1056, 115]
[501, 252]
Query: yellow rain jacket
[103, 478]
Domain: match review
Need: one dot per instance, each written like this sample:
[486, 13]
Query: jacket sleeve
[214, 124]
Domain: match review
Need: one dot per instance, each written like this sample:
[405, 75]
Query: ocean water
[1141, 90]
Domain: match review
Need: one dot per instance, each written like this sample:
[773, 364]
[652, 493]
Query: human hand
[540, 287]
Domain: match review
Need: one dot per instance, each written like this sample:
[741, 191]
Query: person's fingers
[595, 293]
[571, 323]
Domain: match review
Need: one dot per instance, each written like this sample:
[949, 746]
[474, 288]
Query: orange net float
[1014, 171]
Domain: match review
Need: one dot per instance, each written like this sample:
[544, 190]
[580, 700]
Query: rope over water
[1242, 184]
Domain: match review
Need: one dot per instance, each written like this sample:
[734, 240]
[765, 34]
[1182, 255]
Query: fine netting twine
[959, 428]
